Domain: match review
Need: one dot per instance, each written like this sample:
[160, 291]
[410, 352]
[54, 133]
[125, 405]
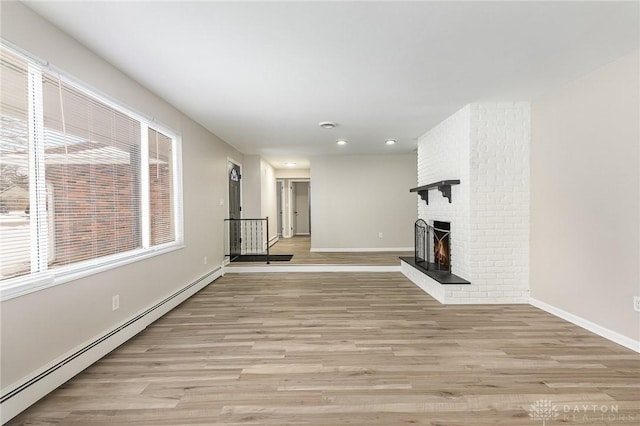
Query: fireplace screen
[441, 252]
[432, 245]
[421, 230]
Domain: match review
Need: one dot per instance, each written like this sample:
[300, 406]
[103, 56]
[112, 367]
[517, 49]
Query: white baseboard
[19, 396]
[615, 337]
[309, 268]
[274, 240]
[362, 250]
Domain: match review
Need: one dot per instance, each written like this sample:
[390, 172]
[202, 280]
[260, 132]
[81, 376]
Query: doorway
[301, 208]
[235, 209]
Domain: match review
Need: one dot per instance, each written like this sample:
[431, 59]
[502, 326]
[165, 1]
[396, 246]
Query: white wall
[259, 192]
[251, 187]
[585, 186]
[353, 198]
[292, 173]
[269, 205]
[39, 327]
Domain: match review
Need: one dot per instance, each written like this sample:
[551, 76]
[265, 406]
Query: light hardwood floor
[347, 348]
[300, 246]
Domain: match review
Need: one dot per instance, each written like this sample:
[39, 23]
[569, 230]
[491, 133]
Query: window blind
[161, 199]
[92, 161]
[15, 185]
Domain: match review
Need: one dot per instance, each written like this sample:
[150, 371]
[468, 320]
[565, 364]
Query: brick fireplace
[486, 147]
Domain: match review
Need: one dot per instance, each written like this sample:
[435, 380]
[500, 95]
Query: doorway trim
[226, 180]
[227, 170]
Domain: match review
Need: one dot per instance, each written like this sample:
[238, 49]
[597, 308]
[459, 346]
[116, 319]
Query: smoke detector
[327, 124]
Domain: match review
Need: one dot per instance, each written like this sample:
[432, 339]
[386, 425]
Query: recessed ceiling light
[290, 164]
[341, 142]
[390, 142]
[327, 124]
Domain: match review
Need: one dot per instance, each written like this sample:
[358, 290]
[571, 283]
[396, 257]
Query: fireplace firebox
[432, 245]
[432, 254]
[441, 250]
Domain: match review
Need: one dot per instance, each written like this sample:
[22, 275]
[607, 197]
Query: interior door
[302, 208]
[235, 227]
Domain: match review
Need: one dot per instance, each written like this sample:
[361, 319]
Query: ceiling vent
[327, 124]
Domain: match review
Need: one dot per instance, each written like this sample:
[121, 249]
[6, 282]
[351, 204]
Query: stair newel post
[267, 219]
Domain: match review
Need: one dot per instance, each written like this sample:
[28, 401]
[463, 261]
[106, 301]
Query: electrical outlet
[205, 260]
[636, 303]
[379, 234]
[115, 302]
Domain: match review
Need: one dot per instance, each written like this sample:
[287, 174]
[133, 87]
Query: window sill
[20, 286]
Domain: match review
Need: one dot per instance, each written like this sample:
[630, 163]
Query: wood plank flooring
[300, 246]
[347, 348]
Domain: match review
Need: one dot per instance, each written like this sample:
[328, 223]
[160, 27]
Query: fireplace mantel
[443, 186]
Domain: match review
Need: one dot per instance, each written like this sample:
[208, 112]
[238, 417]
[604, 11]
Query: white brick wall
[443, 153]
[486, 146]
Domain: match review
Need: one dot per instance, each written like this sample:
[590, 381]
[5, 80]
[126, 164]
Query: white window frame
[40, 276]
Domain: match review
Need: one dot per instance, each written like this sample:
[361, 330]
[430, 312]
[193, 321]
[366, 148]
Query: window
[83, 182]
[92, 168]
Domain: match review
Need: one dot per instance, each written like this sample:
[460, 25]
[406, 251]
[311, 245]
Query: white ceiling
[263, 75]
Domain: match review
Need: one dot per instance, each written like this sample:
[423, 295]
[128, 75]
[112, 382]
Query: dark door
[235, 226]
